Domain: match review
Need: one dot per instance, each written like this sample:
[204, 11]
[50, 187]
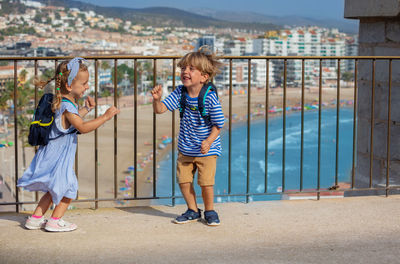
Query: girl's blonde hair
[61, 79]
[204, 60]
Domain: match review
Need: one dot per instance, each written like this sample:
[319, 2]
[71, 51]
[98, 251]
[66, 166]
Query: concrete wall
[371, 8]
[379, 35]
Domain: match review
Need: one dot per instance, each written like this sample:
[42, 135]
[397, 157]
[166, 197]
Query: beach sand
[125, 141]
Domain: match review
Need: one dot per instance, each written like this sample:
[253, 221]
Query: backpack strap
[65, 99]
[71, 132]
[39, 122]
[182, 103]
[202, 100]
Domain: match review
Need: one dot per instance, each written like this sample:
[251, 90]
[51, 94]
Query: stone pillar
[379, 35]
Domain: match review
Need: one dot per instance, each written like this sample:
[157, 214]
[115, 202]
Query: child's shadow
[20, 218]
[147, 211]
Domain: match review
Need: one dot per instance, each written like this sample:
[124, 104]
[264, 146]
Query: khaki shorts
[206, 167]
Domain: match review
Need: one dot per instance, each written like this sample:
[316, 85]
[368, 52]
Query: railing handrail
[127, 57]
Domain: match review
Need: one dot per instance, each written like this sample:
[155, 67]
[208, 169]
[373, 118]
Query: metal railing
[230, 59]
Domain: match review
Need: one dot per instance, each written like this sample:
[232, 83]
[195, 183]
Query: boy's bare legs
[43, 205]
[189, 195]
[210, 215]
[208, 197]
[61, 208]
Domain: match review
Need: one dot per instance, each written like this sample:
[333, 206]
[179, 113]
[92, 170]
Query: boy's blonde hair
[204, 60]
[61, 78]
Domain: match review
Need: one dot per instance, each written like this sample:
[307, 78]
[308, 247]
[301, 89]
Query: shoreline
[168, 149]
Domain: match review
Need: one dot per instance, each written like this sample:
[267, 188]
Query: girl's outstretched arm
[88, 126]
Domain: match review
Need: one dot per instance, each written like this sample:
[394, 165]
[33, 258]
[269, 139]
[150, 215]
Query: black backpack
[201, 101]
[43, 120]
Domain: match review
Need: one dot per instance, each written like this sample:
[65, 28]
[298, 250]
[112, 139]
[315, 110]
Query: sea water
[274, 159]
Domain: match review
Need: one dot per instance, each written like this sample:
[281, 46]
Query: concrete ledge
[349, 230]
[371, 8]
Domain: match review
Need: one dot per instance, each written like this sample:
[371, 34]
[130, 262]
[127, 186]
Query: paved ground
[350, 230]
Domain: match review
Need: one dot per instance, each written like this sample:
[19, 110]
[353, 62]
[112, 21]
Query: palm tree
[104, 65]
[22, 76]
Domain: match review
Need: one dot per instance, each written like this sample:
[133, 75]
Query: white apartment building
[238, 47]
[306, 42]
[240, 73]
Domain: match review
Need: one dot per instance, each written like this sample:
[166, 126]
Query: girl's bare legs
[60, 209]
[43, 205]
[55, 224]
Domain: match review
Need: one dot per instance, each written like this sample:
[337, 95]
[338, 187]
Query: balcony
[115, 173]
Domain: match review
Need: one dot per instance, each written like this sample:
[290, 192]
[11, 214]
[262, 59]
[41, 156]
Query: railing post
[266, 126]
[154, 135]
[354, 125]
[248, 128]
[230, 130]
[36, 102]
[135, 129]
[115, 128]
[388, 130]
[302, 126]
[371, 155]
[284, 126]
[16, 134]
[96, 150]
[319, 130]
[173, 172]
[337, 122]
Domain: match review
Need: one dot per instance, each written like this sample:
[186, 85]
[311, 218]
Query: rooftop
[349, 230]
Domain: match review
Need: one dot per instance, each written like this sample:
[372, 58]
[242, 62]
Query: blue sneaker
[212, 218]
[188, 216]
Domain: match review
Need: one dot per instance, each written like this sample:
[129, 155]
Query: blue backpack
[201, 101]
[43, 120]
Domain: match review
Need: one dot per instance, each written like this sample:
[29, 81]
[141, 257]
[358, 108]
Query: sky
[332, 9]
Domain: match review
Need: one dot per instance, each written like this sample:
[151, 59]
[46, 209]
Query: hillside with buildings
[31, 28]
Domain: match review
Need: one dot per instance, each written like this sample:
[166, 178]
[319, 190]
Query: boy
[199, 142]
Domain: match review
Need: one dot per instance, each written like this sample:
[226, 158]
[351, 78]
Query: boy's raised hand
[157, 92]
[158, 106]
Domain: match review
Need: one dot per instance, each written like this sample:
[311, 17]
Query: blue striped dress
[52, 167]
[193, 128]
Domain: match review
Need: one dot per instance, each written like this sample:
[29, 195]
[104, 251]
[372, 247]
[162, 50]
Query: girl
[51, 170]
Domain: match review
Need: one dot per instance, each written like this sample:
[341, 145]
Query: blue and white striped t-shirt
[193, 128]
